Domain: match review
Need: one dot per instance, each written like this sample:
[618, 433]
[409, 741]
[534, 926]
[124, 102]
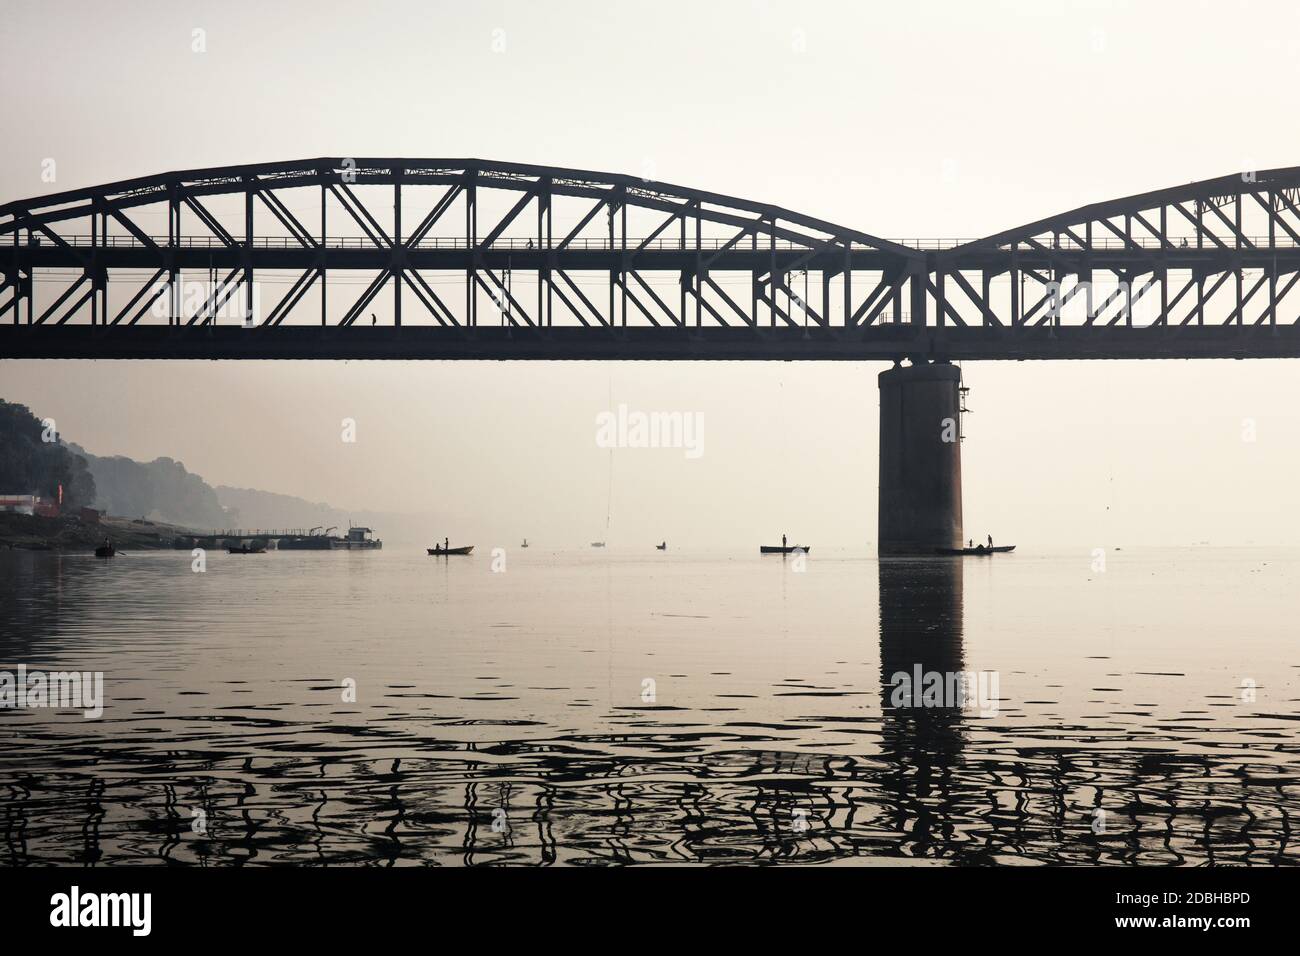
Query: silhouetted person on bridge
[373, 320]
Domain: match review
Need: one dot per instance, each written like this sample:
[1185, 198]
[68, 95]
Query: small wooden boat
[441, 550]
[662, 547]
[246, 549]
[979, 549]
[598, 544]
[105, 551]
[781, 549]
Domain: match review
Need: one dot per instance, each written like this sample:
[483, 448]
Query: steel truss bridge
[469, 259]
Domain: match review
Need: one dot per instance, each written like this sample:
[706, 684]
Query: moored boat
[316, 539]
[356, 541]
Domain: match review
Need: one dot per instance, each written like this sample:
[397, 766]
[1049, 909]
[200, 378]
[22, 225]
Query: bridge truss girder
[535, 249]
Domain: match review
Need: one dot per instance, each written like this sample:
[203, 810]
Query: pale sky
[903, 120]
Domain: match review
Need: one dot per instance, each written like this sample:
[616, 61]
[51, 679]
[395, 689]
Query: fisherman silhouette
[783, 541]
[990, 541]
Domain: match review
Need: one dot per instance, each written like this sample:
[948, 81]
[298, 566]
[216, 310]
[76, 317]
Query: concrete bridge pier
[920, 459]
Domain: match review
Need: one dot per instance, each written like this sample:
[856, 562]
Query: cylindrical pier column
[920, 459]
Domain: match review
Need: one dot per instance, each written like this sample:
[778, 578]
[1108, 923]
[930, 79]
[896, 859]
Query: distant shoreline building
[30, 505]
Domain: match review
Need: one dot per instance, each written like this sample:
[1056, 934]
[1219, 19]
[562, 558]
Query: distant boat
[979, 549]
[441, 550]
[781, 549]
[356, 540]
[246, 549]
[662, 547]
[598, 544]
[105, 550]
[525, 544]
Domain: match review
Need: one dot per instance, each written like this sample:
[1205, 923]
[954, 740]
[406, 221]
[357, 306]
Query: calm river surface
[587, 707]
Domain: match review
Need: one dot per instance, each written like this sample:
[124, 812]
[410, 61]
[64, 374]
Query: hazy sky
[905, 120]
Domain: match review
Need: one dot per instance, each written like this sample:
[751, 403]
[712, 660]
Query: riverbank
[70, 533]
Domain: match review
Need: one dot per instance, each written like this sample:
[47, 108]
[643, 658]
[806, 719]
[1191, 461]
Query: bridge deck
[878, 343]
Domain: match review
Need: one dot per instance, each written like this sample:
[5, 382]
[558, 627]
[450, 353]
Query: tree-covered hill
[35, 461]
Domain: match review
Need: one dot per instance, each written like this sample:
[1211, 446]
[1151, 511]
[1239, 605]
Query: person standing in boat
[446, 544]
[990, 541]
[783, 540]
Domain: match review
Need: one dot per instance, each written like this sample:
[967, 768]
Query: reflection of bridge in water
[915, 782]
[923, 794]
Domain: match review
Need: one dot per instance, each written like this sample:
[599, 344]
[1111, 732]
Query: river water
[612, 707]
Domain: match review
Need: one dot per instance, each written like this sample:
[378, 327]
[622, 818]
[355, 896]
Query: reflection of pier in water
[920, 632]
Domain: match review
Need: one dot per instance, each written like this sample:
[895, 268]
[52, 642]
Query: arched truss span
[1224, 252]
[528, 246]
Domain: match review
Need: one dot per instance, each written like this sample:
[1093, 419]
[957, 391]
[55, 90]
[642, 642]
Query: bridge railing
[456, 242]
[1063, 243]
